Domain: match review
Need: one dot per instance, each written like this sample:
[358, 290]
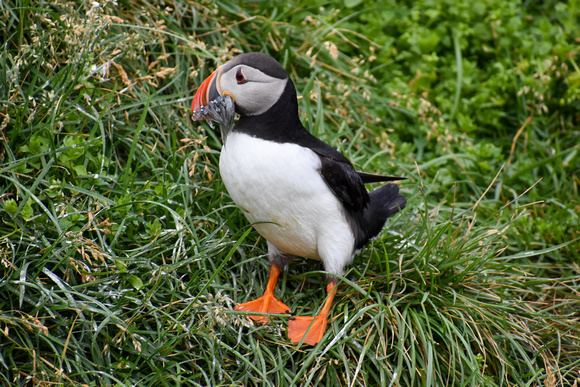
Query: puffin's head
[255, 82]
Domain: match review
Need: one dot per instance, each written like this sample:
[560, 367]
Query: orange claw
[267, 303]
[311, 329]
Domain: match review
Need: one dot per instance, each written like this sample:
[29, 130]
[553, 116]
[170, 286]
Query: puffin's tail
[384, 202]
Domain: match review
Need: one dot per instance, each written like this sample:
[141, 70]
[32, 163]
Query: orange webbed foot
[310, 330]
[298, 329]
[265, 304]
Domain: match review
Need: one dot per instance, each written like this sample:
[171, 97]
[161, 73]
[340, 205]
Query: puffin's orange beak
[201, 97]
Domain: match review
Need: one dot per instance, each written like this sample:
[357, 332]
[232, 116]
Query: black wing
[345, 183]
[338, 173]
[342, 179]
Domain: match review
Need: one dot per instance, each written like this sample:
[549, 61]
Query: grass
[122, 255]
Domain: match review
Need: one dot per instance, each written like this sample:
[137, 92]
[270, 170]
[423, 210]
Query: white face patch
[256, 93]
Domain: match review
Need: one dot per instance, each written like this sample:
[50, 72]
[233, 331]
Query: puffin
[303, 196]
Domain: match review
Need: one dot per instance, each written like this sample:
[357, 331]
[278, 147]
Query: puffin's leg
[312, 328]
[267, 303]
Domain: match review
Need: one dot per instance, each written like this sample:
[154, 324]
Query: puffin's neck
[280, 123]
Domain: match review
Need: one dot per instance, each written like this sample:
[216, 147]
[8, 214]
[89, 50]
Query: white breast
[281, 192]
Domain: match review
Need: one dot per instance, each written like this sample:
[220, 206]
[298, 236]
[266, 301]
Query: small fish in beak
[221, 110]
[210, 105]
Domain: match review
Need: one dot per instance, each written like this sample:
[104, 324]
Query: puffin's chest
[262, 174]
[280, 190]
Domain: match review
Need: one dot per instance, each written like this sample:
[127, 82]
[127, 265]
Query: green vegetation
[122, 255]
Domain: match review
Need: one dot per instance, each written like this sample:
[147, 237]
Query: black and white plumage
[303, 196]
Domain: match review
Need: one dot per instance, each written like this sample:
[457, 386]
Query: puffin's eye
[240, 77]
